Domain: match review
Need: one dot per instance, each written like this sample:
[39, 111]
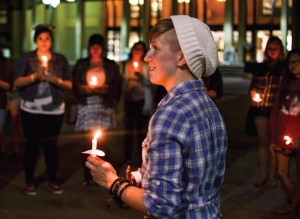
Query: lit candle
[45, 61]
[288, 139]
[135, 65]
[93, 81]
[257, 98]
[94, 152]
[94, 142]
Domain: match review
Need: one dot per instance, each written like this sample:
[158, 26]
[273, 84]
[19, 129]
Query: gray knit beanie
[197, 44]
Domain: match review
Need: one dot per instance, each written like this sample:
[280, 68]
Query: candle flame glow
[93, 81]
[97, 134]
[45, 60]
[288, 139]
[257, 98]
[135, 65]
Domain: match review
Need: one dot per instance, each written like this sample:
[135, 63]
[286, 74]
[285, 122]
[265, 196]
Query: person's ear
[181, 61]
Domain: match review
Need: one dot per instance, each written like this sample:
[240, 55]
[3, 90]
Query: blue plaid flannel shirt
[184, 155]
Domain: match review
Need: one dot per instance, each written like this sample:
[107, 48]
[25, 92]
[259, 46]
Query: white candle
[94, 142]
[45, 61]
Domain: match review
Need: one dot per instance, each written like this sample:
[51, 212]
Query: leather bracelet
[123, 189]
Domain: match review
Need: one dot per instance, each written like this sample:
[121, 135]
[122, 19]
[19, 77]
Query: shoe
[55, 188]
[30, 189]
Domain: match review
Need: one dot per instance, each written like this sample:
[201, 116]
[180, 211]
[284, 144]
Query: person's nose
[148, 56]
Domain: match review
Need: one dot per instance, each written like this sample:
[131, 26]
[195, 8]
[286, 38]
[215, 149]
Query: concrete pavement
[239, 200]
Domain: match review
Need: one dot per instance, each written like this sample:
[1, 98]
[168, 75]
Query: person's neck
[96, 59]
[43, 53]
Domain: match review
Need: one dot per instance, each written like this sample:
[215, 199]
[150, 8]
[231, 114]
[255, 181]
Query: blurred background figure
[285, 129]
[42, 76]
[5, 78]
[97, 85]
[137, 98]
[263, 88]
[214, 85]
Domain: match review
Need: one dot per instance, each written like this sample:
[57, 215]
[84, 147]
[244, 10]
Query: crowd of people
[168, 94]
[275, 103]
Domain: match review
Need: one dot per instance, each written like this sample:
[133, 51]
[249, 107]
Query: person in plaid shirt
[265, 83]
[184, 153]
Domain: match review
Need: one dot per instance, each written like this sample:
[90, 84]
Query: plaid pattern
[94, 115]
[184, 155]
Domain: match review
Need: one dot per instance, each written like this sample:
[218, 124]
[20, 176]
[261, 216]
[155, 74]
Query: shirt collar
[183, 87]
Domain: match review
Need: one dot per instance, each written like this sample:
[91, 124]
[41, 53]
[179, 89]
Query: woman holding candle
[264, 86]
[285, 128]
[137, 97]
[42, 87]
[97, 86]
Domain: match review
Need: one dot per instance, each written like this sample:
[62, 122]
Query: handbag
[250, 127]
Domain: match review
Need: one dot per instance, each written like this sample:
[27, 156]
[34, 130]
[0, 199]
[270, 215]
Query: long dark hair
[289, 74]
[274, 40]
[139, 43]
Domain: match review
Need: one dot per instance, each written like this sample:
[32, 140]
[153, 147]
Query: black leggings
[41, 130]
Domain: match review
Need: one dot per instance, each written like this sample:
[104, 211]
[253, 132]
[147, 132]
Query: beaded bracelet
[113, 191]
[114, 187]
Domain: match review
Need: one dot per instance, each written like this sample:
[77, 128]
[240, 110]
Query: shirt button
[157, 183]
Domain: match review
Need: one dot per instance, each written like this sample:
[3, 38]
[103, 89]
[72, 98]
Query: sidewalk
[239, 199]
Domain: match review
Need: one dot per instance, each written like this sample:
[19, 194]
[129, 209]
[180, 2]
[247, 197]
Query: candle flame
[44, 58]
[97, 134]
[45, 61]
[257, 98]
[135, 64]
[94, 80]
[288, 139]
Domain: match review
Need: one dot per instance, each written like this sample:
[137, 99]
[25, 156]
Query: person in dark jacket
[97, 86]
[41, 77]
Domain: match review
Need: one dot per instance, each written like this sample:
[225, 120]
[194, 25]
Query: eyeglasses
[294, 62]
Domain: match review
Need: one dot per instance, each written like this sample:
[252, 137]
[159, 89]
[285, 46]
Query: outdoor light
[136, 2]
[53, 3]
[183, 1]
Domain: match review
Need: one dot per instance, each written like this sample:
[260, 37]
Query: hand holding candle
[94, 152]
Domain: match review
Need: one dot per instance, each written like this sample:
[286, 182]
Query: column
[145, 24]
[242, 29]
[79, 29]
[228, 25]
[284, 23]
[125, 27]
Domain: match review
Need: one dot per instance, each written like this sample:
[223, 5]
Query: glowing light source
[288, 139]
[135, 65]
[257, 98]
[94, 152]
